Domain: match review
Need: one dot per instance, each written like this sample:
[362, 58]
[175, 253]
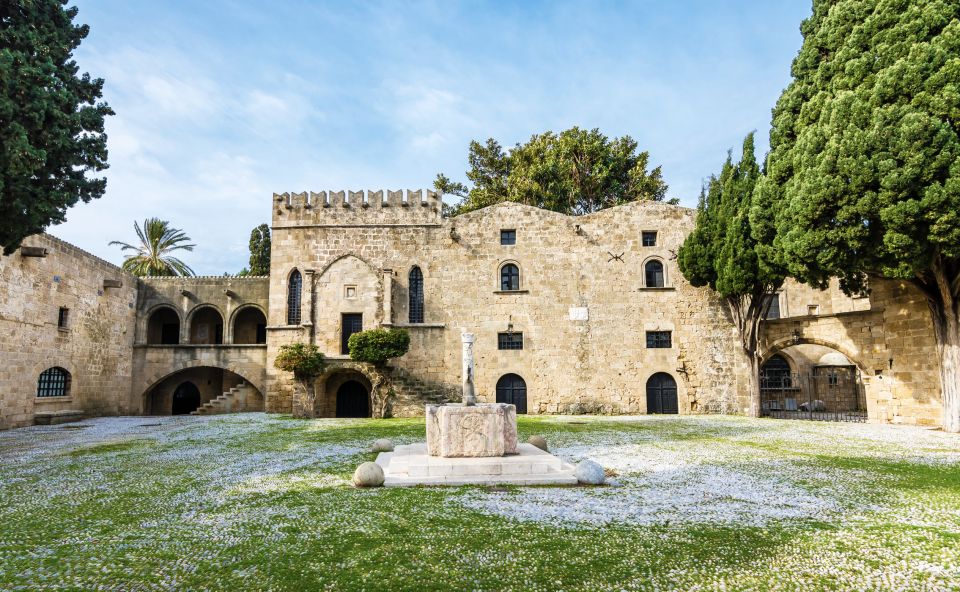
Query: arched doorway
[662, 394]
[185, 399]
[353, 400]
[812, 381]
[512, 389]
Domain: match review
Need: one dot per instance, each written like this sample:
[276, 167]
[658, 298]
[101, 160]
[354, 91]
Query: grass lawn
[253, 501]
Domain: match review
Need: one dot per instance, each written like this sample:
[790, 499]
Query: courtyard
[254, 501]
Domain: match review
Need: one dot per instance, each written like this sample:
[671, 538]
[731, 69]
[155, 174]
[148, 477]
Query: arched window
[416, 295]
[54, 382]
[662, 394]
[775, 373]
[509, 277]
[294, 287]
[513, 390]
[654, 272]
[163, 327]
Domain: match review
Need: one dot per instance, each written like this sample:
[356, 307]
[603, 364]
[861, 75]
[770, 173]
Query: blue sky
[221, 103]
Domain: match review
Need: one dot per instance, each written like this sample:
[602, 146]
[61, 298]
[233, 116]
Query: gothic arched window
[416, 295]
[294, 287]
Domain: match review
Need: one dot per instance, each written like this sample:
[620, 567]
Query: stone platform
[410, 465]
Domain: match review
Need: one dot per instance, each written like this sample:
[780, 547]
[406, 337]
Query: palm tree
[152, 256]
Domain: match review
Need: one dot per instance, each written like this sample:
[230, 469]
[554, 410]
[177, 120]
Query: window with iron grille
[294, 287]
[649, 238]
[659, 339]
[509, 340]
[509, 277]
[53, 382]
[508, 237]
[416, 295]
[63, 317]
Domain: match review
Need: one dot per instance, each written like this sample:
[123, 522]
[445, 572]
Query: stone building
[584, 314]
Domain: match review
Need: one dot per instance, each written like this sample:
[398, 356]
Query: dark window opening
[659, 339]
[261, 333]
[508, 237]
[649, 238]
[771, 306]
[294, 286]
[352, 323]
[509, 340]
[654, 273]
[416, 295]
[509, 277]
[775, 374]
[53, 382]
[63, 317]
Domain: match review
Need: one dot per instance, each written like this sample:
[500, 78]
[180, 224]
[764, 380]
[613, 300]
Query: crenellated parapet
[346, 208]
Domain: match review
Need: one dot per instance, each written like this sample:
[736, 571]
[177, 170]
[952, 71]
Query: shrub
[378, 345]
[305, 361]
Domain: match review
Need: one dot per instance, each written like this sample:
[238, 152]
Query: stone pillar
[387, 297]
[306, 304]
[469, 381]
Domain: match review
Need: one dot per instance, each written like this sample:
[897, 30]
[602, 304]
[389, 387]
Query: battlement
[346, 208]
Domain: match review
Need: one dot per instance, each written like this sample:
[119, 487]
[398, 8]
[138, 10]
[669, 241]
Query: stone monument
[471, 443]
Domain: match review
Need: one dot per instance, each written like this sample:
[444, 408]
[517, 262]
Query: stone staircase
[242, 397]
[412, 393]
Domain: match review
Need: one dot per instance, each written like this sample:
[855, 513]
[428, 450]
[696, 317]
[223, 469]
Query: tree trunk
[945, 311]
[747, 310]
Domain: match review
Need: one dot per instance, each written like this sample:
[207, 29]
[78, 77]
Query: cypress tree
[51, 119]
[730, 251]
[864, 167]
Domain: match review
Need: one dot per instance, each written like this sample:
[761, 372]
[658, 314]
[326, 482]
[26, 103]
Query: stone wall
[583, 306]
[94, 347]
[159, 368]
[891, 343]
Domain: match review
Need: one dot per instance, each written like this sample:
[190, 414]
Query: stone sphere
[382, 445]
[539, 442]
[589, 472]
[369, 474]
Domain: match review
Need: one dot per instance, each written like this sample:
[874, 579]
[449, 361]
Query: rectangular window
[659, 339]
[508, 237]
[509, 340]
[771, 308]
[63, 317]
[649, 238]
[813, 309]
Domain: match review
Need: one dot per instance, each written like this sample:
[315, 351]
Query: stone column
[306, 303]
[387, 296]
[469, 393]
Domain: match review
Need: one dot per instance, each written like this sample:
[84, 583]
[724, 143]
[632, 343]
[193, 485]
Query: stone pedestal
[471, 431]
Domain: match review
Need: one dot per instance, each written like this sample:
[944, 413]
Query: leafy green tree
[306, 363]
[729, 251]
[377, 346]
[152, 256]
[51, 122]
[575, 172]
[864, 165]
[259, 251]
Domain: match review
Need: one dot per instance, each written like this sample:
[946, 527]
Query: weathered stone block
[471, 431]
